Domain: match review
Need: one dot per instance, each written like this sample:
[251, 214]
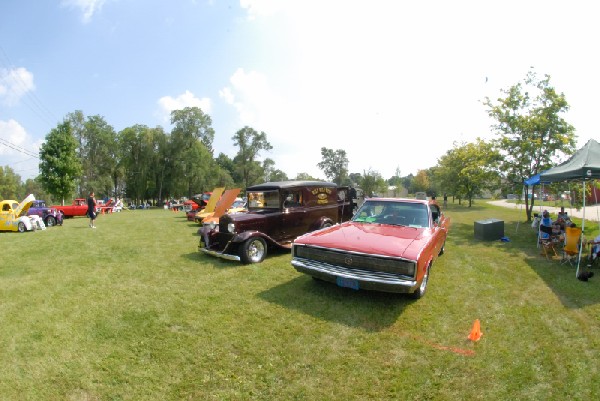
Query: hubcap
[256, 250]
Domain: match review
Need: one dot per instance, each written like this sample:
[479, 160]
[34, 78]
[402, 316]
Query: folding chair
[571, 246]
[546, 242]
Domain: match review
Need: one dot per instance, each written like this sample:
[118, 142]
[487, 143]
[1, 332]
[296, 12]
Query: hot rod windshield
[263, 200]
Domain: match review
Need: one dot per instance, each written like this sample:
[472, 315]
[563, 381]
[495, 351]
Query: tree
[533, 136]
[372, 183]
[192, 124]
[250, 143]
[9, 183]
[97, 150]
[421, 181]
[59, 165]
[334, 164]
[271, 173]
[305, 177]
[470, 168]
[396, 182]
[191, 150]
[101, 156]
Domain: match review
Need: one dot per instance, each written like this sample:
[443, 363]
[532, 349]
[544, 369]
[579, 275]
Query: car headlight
[231, 227]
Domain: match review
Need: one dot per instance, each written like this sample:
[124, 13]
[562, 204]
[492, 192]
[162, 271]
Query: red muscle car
[78, 208]
[389, 245]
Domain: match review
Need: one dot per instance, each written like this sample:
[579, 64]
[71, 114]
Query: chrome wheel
[253, 250]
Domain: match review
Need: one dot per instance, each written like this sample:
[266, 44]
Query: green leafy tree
[250, 143]
[334, 164]
[469, 169]
[191, 124]
[60, 166]
[421, 181]
[98, 152]
[355, 178]
[190, 163]
[372, 183]
[101, 156]
[305, 177]
[271, 173]
[532, 133]
[396, 182]
[9, 183]
[34, 186]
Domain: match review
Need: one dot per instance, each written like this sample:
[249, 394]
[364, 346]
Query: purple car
[50, 216]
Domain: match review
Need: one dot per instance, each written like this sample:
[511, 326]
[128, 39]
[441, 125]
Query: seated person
[545, 226]
[594, 250]
[562, 214]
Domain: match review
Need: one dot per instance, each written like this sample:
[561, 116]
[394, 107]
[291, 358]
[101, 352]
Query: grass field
[132, 311]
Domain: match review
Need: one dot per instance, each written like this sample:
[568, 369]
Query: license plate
[347, 282]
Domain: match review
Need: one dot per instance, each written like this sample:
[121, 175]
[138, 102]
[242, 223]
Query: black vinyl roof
[290, 184]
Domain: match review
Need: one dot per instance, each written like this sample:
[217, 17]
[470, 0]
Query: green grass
[132, 311]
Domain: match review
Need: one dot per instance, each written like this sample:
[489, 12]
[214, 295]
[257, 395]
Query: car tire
[21, 227]
[253, 250]
[418, 294]
[443, 249]
[50, 221]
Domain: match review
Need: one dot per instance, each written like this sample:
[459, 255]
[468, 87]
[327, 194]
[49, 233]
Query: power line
[30, 99]
[18, 148]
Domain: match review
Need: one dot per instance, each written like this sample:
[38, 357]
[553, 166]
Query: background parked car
[50, 216]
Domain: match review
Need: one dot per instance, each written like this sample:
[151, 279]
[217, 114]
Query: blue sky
[393, 83]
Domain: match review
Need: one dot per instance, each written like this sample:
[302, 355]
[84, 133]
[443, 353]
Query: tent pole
[582, 234]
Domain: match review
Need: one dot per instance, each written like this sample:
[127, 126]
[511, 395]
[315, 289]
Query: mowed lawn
[132, 311]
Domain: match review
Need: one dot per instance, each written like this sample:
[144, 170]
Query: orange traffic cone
[476, 333]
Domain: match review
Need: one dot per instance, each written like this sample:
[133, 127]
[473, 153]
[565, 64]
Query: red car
[389, 245]
[78, 208]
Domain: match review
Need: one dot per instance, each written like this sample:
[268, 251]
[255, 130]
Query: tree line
[143, 163]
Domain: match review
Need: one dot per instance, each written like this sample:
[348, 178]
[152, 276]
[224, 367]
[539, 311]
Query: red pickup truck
[78, 208]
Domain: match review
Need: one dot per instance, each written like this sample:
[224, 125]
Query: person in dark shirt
[91, 210]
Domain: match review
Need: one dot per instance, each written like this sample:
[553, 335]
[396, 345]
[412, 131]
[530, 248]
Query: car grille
[361, 264]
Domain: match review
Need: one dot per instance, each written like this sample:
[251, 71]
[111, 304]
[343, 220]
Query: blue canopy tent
[583, 166]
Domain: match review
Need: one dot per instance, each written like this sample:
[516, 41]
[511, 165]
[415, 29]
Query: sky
[393, 83]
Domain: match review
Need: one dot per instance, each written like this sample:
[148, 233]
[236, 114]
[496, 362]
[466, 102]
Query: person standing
[91, 211]
[445, 199]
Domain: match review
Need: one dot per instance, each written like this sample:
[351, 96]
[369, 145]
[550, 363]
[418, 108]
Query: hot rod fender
[242, 237]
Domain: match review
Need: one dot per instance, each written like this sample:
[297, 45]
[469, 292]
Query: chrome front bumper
[367, 279]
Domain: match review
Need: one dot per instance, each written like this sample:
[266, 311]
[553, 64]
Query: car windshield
[263, 200]
[393, 213]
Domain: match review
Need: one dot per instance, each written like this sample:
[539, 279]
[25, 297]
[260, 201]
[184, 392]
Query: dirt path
[591, 212]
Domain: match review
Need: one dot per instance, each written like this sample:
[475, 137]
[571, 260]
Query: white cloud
[255, 102]
[258, 8]
[87, 7]
[14, 84]
[187, 99]
[14, 133]
[14, 137]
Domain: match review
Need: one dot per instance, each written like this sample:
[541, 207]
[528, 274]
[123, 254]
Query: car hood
[24, 206]
[379, 239]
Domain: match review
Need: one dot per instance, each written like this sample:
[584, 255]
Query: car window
[263, 200]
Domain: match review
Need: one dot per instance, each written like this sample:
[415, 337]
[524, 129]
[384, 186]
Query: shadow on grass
[369, 310]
